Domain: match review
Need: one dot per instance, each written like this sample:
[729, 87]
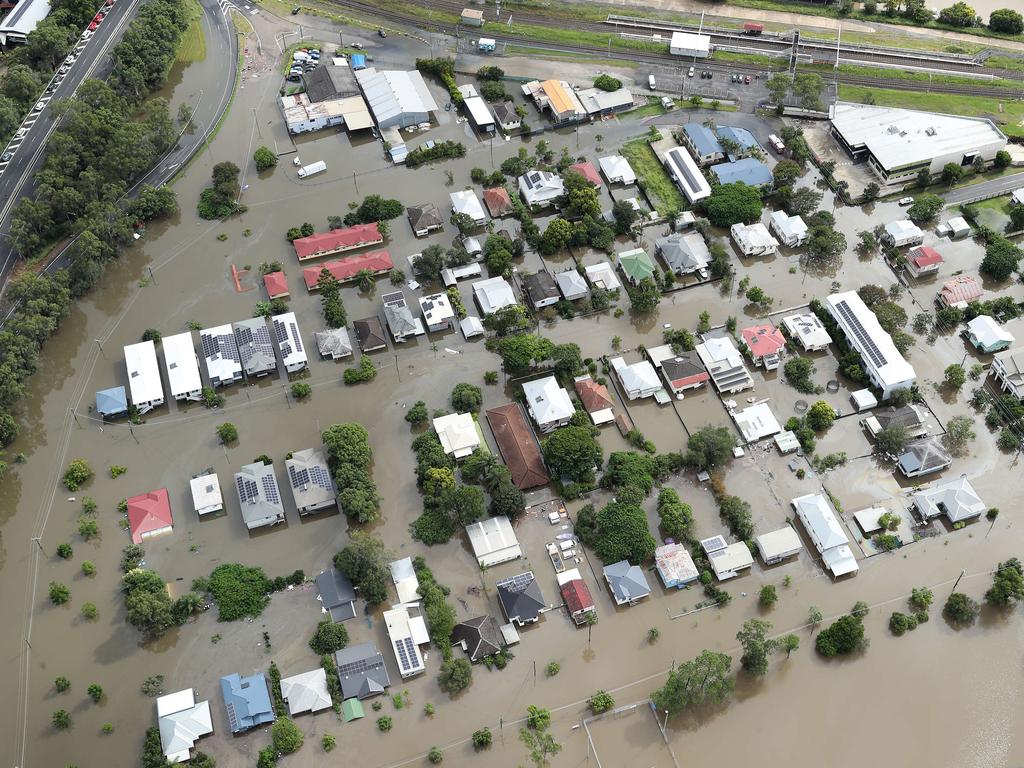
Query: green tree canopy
[705, 680]
[709, 447]
[733, 203]
[622, 534]
[573, 452]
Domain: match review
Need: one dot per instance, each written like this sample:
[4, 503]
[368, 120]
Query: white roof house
[792, 230]
[902, 233]
[306, 692]
[466, 202]
[756, 422]
[824, 529]
[725, 365]
[206, 493]
[471, 326]
[1017, 197]
[451, 275]
[223, 363]
[182, 367]
[182, 722]
[883, 363]
[690, 44]
[406, 582]
[289, 341]
[22, 20]
[727, 560]
[147, 391]
[540, 188]
[955, 498]
[548, 404]
[776, 546]
[396, 98]
[602, 275]
[617, 170]
[898, 143]
[437, 312]
[458, 434]
[479, 114]
[685, 173]
[753, 239]
[403, 641]
[493, 541]
[807, 329]
[639, 380]
[988, 335]
[1008, 370]
[493, 294]
[572, 284]
[334, 343]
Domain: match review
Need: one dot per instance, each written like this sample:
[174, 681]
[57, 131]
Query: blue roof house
[247, 700]
[111, 402]
[748, 170]
[702, 143]
[740, 137]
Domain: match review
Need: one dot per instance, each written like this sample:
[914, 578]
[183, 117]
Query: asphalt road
[17, 177]
[994, 188]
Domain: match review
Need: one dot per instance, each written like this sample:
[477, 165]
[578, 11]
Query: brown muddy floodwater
[935, 697]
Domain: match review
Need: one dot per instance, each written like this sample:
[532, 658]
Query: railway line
[664, 60]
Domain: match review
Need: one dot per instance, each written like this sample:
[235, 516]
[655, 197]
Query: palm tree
[364, 279]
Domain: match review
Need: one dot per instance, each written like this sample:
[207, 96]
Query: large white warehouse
[690, 44]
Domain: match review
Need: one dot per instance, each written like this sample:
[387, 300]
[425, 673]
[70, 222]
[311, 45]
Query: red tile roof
[149, 512]
[518, 447]
[763, 339]
[577, 596]
[497, 201]
[326, 243]
[346, 269]
[587, 170]
[923, 256]
[594, 396]
[276, 284]
[961, 288]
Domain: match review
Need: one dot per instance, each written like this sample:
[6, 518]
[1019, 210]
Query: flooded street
[895, 699]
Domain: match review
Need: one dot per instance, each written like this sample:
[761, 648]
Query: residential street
[1001, 186]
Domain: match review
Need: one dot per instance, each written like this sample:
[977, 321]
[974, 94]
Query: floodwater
[806, 711]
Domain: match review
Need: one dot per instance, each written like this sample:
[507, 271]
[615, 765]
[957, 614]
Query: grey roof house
[702, 142]
[334, 343]
[521, 598]
[424, 219]
[337, 595]
[399, 317]
[361, 671]
[626, 582]
[479, 637]
[258, 495]
[255, 348]
[310, 479]
[923, 457]
[540, 288]
[684, 252]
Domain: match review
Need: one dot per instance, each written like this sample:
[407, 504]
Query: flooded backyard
[895, 699]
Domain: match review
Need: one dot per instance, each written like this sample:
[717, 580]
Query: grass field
[1011, 120]
[1001, 204]
[659, 187]
[892, 73]
[193, 42]
[1005, 62]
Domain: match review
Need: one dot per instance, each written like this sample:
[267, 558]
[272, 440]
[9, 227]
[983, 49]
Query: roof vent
[930, 130]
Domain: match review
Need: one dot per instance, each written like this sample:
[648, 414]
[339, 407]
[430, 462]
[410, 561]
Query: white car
[690, 73]
[906, 201]
[39, 106]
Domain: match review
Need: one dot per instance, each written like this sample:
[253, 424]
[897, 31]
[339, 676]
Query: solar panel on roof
[281, 331]
[517, 583]
[286, 349]
[354, 667]
[406, 653]
[247, 490]
[321, 477]
[270, 489]
[867, 343]
[298, 477]
[296, 337]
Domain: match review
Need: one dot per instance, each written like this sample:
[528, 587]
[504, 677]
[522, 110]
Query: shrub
[77, 474]
[899, 623]
[264, 159]
[365, 371]
[466, 398]
[62, 684]
[64, 551]
[286, 736]
[227, 433]
[59, 593]
[328, 742]
[89, 611]
[384, 723]
[328, 638]
[418, 413]
[95, 692]
[960, 609]
[490, 377]
[600, 702]
[552, 669]
[920, 598]
[301, 390]
[455, 675]
[88, 528]
[239, 591]
[442, 150]
[88, 568]
[61, 720]
[769, 596]
[435, 756]
[482, 738]
[1007, 584]
[607, 83]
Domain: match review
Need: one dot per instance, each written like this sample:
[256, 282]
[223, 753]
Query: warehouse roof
[394, 92]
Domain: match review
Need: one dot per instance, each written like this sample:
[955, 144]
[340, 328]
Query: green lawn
[892, 73]
[193, 42]
[1005, 62]
[665, 196]
[1010, 120]
[1001, 204]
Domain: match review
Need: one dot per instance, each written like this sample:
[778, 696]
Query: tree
[59, 593]
[364, 561]
[541, 745]
[482, 738]
[239, 591]
[556, 236]
[227, 433]
[705, 680]
[567, 359]
[61, 720]
[778, 86]
[573, 452]
[960, 609]
[62, 684]
[892, 440]
[467, 398]
[435, 755]
[455, 675]
[825, 244]
[77, 474]
[753, 638]
[328, 638]
[820, 416]
[607, 83]
[807, 88]
[218, 201]
[622, 534]
[600, 702]
[427, 267]
[845, 635]
[959, 15]
[95, 692]
[625, 216]
[675, 516]
[871, 192]
[925, 208]
[88, 568]
[800, 201]
[264, 159]
[790, 643]
[785, 173]
[1007, 21]
[709, 447]
[733, 203]
[286, 736]
[1001, 258]
[417, 414]
[959, 432]
[952, 173]
[644, 297]
[521, 351]
[1007, 584]
[955, 376]
[768, 596]
[799, 371]
[921, 598]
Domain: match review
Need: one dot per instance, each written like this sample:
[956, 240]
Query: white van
[650, 82]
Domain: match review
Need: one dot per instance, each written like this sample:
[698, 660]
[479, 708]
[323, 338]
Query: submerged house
[258, 495]
[247, 700]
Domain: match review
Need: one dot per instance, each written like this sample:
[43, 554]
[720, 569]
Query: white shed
[778, 545]
[206, 494]
[493, 541]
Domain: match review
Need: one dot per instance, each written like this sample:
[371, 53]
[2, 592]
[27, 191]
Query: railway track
[654, 59]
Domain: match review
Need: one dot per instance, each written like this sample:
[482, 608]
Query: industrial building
[882, 362]
[556, 97]
[690, 44]
[899, 143]
[302, 115]
[396, 98]
[479, 115]
[686, 174]
[16, 25]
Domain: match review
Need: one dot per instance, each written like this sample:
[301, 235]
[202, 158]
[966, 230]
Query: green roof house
[636, 265]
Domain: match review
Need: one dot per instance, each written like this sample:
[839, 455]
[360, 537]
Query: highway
[93, 61]
[993, 188]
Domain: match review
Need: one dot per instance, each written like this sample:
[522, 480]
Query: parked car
[382, 33]
[39, 106]
[357, 46]
[6, 156]
[295, 11]
[906, 201]
[690, 73]
[747, 80]
[735, 77]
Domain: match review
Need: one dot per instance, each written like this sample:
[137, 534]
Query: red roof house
[923, 260]
[577, 598]
[596, 399]
[587, 170]
[337, 240]
[378, 262]
[765, 342]
[276, 284]
[960, 291]
[498, 202]
[149, 515]
[518, 446]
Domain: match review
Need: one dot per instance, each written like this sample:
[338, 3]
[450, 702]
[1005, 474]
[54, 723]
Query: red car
[109, 3]
[92, 27]
[97, 18]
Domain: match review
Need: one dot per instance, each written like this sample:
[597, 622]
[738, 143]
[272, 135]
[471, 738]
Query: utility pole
[39, 543]
[963, 572]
